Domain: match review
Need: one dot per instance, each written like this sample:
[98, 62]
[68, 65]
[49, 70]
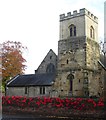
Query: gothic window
[70, 77]
[72, 29]
[42, 90]
[92, 32]
[50, 68]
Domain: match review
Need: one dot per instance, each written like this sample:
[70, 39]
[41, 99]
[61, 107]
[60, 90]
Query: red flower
[47, 102]
[38, 103]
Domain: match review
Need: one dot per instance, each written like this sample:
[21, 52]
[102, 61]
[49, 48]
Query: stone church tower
[78, 71]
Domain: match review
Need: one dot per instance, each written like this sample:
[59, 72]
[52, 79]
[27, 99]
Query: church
[76, 71]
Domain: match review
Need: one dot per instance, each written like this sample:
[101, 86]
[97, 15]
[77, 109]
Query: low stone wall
[51, 114]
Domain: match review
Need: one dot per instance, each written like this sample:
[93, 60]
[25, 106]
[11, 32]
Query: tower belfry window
[92, 32]
[72, 29]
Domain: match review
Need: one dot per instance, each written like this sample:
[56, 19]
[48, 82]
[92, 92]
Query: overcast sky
[35, 23]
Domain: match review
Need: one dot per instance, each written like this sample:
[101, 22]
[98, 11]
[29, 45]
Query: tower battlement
[76, 14]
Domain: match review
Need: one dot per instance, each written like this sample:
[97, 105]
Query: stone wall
[77, 21]
[62, 84]
[12, 91]
[35, 91]
[71, 52]
[72, 60]
[85, 83]
[31, 91]
[92, 54]
[71, 44]
[51, 57]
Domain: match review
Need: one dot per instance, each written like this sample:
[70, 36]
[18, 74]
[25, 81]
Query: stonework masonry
[32, 91]
[78, 70]
[81, 12]
[49, 60]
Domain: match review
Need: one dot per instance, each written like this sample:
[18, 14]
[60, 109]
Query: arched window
[70, 77]
[72, 29]
[50, 68]
[92, 32]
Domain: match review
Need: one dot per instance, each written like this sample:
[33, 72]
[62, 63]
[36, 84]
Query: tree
[12, 60]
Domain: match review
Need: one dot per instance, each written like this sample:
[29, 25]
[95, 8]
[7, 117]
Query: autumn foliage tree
[12, 60]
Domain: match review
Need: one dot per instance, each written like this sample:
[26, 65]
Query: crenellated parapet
[76, 14]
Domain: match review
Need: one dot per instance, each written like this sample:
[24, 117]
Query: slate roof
[32, 80]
